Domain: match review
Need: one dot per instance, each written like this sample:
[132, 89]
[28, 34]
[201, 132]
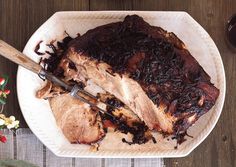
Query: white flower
[14, 124]
[10, 126]
[2, 122]
[12, 118]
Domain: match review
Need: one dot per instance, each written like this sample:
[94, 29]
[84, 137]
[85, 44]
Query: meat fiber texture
[78, 122]
[148, 69]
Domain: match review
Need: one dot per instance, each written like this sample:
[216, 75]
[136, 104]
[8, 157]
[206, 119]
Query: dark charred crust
[54, 49]
[154, 140]
[36, 50]
[81, 85]
[72, 66]
[114, 102]
[180, 138]
[158, 61]
[154, 58]
[59, 72]
[137, 129]
[51, 64]
[64, 44]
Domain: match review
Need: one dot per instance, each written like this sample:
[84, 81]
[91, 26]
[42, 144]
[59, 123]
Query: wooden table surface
[20, 18]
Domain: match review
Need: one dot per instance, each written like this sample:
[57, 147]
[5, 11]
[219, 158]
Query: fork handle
[19, 58]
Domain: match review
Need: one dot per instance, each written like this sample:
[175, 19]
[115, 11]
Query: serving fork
[21, 59]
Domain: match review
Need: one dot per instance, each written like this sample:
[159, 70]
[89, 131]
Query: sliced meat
[79, 123]
[148, 69]
[127, 90]
[49, 90]
[45, 91]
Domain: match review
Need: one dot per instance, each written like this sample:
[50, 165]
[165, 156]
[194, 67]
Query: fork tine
[92, 96]
[74, 93]
[87, 93]
[93, 105]
[88, 102]
[74, 90]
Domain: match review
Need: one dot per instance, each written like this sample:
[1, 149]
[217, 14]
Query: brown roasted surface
[148, 69]
[160, 84]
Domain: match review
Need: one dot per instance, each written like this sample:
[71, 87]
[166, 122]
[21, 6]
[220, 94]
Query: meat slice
[127, 90]
[148, 69]
[78, 122]
[128, 121]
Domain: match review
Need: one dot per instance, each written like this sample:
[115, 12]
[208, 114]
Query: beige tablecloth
[25, 146]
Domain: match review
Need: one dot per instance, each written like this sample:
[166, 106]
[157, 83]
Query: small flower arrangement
[5, 122]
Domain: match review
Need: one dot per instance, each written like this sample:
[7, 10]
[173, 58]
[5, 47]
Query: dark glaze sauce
[157, 71]
[51, 64]
[137, 129]
[166, 72]
[57, 54]
[153, 62]
[36, 50]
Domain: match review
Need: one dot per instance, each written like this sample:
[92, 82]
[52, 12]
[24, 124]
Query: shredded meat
[145, 67]
[148, 69]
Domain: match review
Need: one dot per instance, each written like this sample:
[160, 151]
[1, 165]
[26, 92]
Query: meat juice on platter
[145, 71]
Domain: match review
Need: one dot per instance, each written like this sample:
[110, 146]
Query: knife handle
[19, 58]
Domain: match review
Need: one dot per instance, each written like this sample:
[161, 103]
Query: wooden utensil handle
[19, 58]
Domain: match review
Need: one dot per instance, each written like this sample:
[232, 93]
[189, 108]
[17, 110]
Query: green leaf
[2, 101]
[4, 95]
